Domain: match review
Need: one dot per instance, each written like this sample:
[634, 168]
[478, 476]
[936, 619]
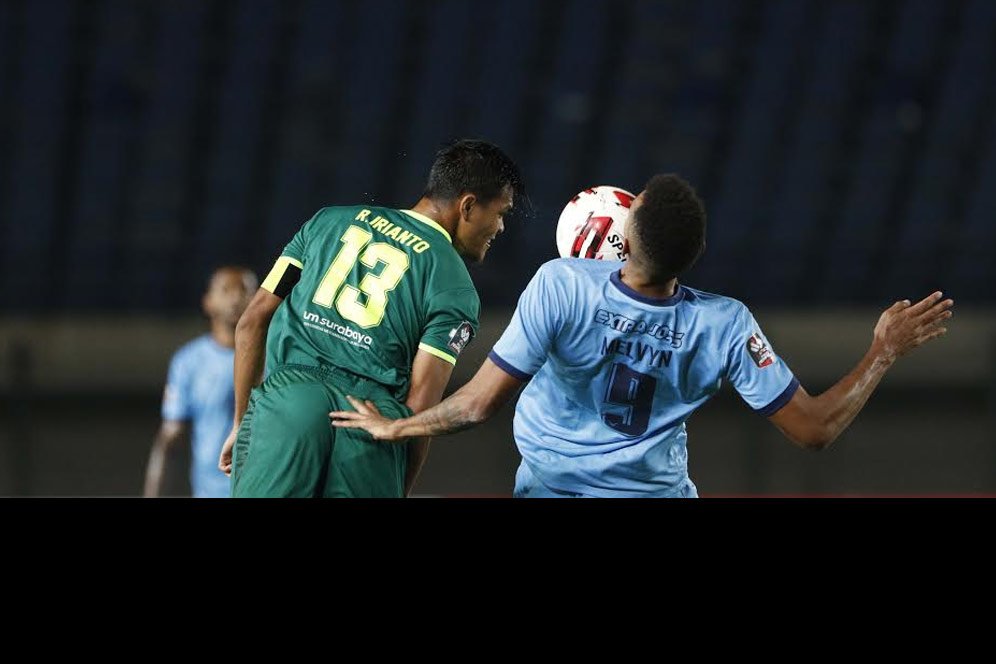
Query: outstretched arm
[472, 404]
[815, 422]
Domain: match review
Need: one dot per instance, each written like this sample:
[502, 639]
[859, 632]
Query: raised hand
[904, 326]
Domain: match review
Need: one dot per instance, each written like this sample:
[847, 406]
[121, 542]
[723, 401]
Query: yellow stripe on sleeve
[438, 353]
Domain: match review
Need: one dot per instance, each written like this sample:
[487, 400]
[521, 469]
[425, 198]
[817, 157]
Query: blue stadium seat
[372, 60]
[740, 204]
[973, 243]
[919, 249]
[695, 115]
[155, 249]
[94, 240]
[433, 114]
[569, 95]
[845, 150]
[236, 135]
[803, 194]
[501, 108]
[860, 231]
[298, 190]
[642, 91]
[28, 229]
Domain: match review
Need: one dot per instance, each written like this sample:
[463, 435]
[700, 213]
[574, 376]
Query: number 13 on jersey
[374, 287]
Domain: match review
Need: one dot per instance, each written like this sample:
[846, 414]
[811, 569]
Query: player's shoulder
[334, 213]
[194, 350]
[571, 280]
[578, 268]
[443, 268]
[722, 304]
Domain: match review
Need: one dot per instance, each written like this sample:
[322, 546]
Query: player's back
[376, 284]
[605, 413]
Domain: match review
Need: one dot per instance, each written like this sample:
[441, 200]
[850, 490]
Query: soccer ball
[593, 224]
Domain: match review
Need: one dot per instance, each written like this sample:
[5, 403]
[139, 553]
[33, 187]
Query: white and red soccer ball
[593, 224]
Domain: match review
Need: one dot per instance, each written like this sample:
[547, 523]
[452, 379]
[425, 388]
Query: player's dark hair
[473, 167]
[670, 225]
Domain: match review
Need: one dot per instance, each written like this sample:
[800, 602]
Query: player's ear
[206, 304]
[467, 203]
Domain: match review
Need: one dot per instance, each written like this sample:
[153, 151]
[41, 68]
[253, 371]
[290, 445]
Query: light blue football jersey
[615, 374]
[200, 388]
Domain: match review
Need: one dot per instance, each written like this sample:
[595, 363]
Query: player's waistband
[342, 377]
[327, 371]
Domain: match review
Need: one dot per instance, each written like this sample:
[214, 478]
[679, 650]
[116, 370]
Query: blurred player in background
[199, 389]
[618, 356]
[364, 300]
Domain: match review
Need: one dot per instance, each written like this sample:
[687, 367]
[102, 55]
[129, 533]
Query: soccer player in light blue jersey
[200, 390]
[617, 356]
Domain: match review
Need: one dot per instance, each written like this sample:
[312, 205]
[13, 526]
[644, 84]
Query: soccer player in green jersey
[369, 301]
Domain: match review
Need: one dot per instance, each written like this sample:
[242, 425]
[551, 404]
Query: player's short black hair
[472, 167]
[670, 225]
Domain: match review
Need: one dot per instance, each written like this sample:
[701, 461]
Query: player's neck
[222, 334]
[438, 213]
[646, 284]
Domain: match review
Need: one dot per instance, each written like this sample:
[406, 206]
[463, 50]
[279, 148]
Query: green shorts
[288, 448]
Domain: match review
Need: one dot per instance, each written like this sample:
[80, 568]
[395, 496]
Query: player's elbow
[477, 408]
[168, 443]
[251, 321]
[814, 439]
[168, 437]
[806, 424]
[247, 321]
[820, 442]
[475, 412]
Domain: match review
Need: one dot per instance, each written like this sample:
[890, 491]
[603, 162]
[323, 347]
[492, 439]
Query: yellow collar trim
[429, 222]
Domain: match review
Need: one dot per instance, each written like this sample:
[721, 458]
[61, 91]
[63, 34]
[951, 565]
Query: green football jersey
[375, 285]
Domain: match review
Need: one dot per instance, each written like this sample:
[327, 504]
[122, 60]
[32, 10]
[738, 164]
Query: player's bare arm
[472, 404]
[430, 375]
[815, 422]
[250, 347]
[170, 433]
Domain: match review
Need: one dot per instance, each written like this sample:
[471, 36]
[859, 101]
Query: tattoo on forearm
[449, 416]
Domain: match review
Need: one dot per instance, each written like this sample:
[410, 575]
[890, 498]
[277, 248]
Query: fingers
[356, 404]
[940, 311]
[931, 309]
[366, 407]
[932, 334]
[346, 416]
[925, 304]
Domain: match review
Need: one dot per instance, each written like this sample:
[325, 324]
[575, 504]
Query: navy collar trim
[679, 293]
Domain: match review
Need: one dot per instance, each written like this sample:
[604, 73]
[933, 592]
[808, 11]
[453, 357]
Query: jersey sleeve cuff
[780, 400]
[508, 368]
[438, 353]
